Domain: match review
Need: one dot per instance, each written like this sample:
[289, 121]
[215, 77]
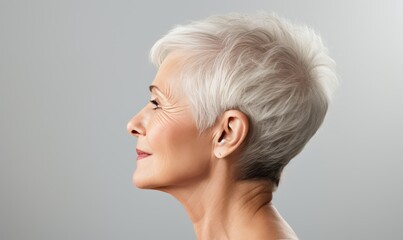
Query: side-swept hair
[277, 73]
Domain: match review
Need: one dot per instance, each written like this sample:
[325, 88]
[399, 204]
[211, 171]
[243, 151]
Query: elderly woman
[236, 97]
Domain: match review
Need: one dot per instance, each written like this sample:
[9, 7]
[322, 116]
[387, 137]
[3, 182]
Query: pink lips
[141, 154]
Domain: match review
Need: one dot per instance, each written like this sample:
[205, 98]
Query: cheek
[179, 149]
[170, 138]
[168, 133]
[161, 135]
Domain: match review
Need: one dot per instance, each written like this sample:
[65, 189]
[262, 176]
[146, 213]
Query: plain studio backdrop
[72, 73]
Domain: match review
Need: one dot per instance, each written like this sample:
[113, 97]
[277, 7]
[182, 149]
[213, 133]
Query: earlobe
[219, 148]
[233, 129]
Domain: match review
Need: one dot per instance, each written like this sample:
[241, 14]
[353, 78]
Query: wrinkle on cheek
[164, 120]
[176, 115]
[166, 164]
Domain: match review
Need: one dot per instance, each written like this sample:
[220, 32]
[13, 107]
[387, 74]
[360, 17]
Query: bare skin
[221, 208]
[199, 170]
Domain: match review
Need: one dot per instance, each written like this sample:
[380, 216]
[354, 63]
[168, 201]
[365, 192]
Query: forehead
[168, 76]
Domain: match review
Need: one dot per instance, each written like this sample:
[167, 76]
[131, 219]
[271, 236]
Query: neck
[219, 206]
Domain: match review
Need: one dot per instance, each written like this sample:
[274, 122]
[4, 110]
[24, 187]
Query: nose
[135, 126]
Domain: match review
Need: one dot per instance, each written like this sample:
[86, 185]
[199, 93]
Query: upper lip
[141, 152]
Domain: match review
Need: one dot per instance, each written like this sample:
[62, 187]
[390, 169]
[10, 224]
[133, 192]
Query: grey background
[72, 73]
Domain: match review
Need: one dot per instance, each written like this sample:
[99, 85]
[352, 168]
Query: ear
[231, 132]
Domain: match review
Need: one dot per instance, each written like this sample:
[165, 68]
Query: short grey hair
[277, 73]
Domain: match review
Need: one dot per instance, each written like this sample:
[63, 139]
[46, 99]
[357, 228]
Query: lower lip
[141, 156]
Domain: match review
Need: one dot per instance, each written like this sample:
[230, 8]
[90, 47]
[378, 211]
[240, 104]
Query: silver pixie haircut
[277, 73]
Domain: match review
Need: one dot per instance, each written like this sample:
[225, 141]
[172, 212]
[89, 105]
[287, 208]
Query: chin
[145, 182]
[140, 182]
[163, 180]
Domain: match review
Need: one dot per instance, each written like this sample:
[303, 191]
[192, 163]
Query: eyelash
[154, 101]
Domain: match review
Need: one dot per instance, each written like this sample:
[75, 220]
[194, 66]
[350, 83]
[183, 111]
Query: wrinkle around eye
[171, 114]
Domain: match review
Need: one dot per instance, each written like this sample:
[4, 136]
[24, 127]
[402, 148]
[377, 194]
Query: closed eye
[154, 101]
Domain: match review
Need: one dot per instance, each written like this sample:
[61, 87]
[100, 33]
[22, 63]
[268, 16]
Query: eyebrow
[159, 90]
[152, 87]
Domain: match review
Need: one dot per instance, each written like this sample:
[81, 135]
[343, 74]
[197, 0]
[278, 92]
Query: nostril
[135, 128]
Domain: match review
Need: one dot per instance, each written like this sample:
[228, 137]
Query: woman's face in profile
[165, 129]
